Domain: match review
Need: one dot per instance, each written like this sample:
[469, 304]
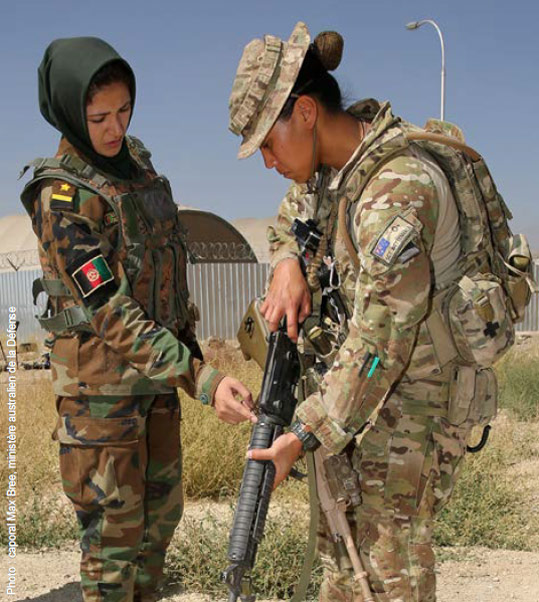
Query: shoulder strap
[69, 163]
[409, 136]
[65, 168]
[140, 153]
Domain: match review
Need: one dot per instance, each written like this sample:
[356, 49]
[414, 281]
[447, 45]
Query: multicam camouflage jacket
[394, 222]
[114, 266]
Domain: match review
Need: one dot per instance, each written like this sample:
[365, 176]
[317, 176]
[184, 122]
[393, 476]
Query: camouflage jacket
[124, 266]
[394, 224]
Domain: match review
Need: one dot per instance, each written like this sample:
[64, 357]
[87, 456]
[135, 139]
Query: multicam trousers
[408, 466]
[120, 462]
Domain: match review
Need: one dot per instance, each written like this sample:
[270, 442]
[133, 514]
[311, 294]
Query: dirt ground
[466, 575]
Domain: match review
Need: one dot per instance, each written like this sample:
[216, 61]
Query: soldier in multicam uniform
[122, 329]
[386, 398]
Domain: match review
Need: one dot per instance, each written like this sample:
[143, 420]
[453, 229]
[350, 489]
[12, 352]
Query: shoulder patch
[62, 195]
[92, 275]
[110, 218]
[393, 240]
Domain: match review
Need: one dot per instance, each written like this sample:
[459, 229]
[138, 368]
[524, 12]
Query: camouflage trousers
[408, 466]
[120, 462]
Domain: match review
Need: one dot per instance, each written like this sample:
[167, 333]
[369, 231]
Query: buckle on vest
[70, 317]
[87, 172]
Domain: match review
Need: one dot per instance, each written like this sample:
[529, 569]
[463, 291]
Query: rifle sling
[305, 576]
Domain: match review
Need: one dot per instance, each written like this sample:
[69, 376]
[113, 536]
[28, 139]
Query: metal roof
[211, 239]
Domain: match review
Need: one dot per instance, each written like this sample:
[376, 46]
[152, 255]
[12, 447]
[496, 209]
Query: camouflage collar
[137, 151]
[382, 122]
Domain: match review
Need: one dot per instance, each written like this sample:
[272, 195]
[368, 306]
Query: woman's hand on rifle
[284, 452]
[288, 295]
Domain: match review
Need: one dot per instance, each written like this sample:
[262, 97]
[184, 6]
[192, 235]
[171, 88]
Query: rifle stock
[334, 508]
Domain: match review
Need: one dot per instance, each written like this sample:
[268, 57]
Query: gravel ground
[471, 575]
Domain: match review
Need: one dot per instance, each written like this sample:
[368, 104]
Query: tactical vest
[150, 247]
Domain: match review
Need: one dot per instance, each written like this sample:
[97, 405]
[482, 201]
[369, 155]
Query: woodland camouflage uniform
[114, 265]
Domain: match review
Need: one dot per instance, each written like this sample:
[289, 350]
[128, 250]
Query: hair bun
[330, 46]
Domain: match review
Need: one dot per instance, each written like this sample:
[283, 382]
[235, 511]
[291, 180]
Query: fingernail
[249, 455]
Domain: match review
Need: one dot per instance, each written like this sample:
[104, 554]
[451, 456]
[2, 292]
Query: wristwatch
[308, 439]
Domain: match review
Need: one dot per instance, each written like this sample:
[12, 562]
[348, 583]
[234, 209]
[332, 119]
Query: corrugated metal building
[220, 289]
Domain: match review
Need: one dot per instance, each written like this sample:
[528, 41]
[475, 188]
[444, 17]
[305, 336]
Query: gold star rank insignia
[62, 195]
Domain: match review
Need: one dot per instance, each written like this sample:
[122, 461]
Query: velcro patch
[393, 240]
[409, 251]
[62, 195]
[92, 274]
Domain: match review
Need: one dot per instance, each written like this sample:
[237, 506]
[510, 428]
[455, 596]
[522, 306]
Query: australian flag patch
[381, 247]
[394, 240]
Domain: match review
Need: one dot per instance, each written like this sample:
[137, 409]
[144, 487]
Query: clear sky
[185, 54]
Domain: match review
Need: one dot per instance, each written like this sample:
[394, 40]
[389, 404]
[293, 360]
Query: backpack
[472, 319]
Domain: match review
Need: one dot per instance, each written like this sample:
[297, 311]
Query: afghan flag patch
[92, 275]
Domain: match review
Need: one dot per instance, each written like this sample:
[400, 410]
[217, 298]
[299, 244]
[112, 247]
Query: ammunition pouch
[343, 480]
[519, 281]
[473, 396]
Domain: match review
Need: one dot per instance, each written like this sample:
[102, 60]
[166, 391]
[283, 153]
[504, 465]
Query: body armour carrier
[471, 321]
[151, 252]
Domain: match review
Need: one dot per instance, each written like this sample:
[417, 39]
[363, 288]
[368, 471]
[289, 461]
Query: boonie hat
[265, 77]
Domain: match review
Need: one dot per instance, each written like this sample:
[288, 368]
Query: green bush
[43, 520]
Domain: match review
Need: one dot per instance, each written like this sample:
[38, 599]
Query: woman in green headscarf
[122, 331]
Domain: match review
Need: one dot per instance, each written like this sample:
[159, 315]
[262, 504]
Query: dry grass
[496, 501]
[518, 378]
[491, 505]
[44, 516]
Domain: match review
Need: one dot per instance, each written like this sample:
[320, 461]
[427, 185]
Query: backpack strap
[71, 318]
[344, 202]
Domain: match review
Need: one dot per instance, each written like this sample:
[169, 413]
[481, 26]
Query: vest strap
[68, 319]
[70, 163]
[53, 288]
[74, 164]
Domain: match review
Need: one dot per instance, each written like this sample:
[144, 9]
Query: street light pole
[416, 25]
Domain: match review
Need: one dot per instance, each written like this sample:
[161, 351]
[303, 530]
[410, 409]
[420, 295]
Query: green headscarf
[65, 74]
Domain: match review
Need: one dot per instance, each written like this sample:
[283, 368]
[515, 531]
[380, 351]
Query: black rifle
[277, 404]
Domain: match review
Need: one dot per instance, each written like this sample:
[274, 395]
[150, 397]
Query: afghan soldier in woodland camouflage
[122, 329]
[384, 383]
